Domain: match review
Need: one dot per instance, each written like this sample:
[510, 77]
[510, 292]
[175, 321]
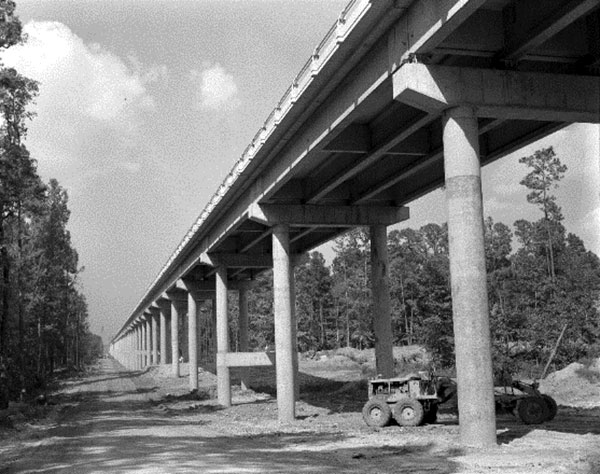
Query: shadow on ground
[102, 438]
[579, 421]
[335, 396]
[107, 433]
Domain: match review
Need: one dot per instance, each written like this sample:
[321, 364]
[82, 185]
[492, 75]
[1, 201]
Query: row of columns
[468, 286]
[143, 347]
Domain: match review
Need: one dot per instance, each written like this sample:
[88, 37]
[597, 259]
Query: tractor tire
[532, 410]
[409, 412]
[552, 407]
[377, 413]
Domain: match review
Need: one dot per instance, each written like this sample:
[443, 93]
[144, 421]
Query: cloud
[91, 101]
[78, 78]
[215, 88]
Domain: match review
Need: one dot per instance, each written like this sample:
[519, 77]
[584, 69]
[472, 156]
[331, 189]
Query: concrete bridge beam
[326, 216]
[500, 94]
[468, 278]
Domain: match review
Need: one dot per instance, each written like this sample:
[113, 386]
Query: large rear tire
[377, 413]
[408, 412]
[552, 407]
[532, 410]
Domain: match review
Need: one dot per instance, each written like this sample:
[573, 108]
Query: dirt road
[119, 422]
[113, 428]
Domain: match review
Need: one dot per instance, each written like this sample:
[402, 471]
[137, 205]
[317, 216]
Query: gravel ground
[117, 421]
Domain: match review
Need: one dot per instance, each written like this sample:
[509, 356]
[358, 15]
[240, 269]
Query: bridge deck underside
[354, 143]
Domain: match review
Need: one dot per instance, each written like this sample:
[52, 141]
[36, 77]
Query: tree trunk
[5, 290]
[322, 324]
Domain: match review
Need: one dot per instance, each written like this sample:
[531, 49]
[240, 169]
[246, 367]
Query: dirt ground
[116, 421]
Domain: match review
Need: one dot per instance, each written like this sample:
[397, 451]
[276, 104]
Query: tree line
[43, 314]
[542, 284]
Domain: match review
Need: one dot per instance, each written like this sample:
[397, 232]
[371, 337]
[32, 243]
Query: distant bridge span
[400, 97]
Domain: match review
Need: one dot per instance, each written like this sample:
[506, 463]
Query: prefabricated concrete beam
[425, 25]
[326, 216]
[356, 138]
[524, 40]
[206, 287]
[499, 94]
[249, 359]
[236, 260]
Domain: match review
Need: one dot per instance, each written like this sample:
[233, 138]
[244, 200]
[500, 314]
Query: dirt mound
[406, 358]
[576, 385]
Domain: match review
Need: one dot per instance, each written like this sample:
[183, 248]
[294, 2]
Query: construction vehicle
[525, 401]
[414, 400]
[411, 400]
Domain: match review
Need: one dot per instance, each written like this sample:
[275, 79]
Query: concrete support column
[130, 350]
[136, 346]
[193, 340]
[284, 330]
[223, 375]
[243, 328]
[199, 329]
[294, 333]
[213, 330]
[382, 317]
[123, 346]
[164, 308]
[148, 348]
[468, 278]
[143, 342]
[140, 345]
[174, 338]
[126, 342]
[154, 324]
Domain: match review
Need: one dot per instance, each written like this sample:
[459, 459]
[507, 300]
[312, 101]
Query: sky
[145, 106]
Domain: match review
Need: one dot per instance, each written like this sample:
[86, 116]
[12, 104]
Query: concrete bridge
[400, 97]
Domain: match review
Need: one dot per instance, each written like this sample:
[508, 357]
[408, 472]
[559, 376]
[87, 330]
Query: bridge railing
[321, 55]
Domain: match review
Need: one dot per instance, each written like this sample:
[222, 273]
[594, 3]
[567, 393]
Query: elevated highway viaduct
[400, 97]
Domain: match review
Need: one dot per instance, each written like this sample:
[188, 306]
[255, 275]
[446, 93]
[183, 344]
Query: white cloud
[91, 102]
[77, 78]
[215, 88]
